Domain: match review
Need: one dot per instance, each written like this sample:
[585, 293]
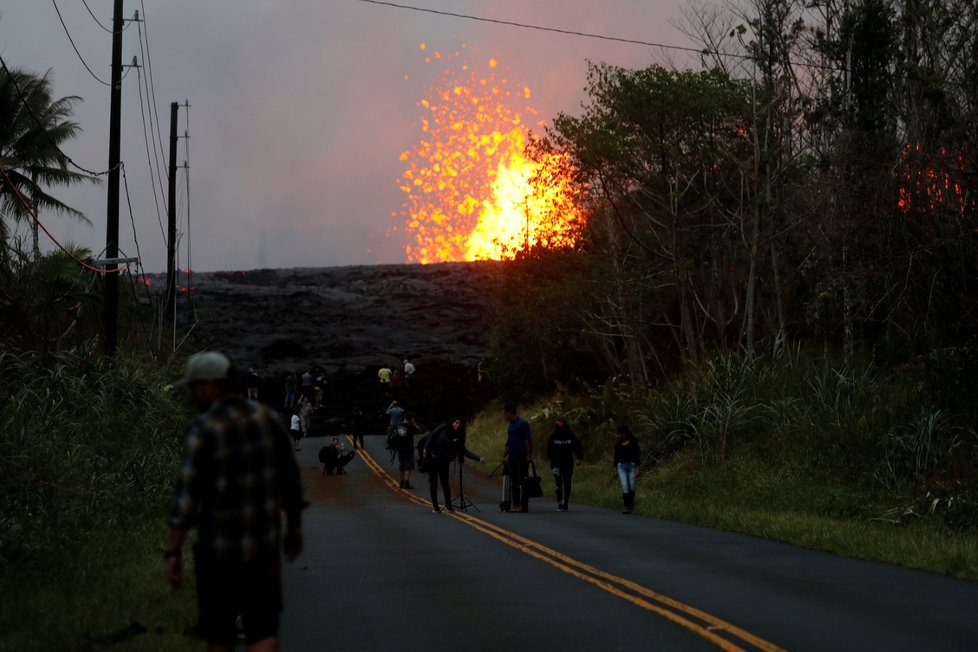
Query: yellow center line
[613, 584]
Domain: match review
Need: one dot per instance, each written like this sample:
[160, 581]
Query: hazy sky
[299, 110]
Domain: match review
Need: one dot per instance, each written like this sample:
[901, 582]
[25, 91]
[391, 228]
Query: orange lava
[472, 191]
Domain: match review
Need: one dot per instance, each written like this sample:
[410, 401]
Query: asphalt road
[381, 572]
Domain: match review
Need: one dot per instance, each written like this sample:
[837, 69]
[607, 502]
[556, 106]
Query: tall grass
[88, 451]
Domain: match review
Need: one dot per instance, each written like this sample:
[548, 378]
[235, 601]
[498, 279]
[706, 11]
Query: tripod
[460, 500]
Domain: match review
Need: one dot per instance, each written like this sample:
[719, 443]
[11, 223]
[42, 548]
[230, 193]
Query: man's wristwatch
[172, 552]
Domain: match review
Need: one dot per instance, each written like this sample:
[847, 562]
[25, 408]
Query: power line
[149, 159]
[132, 219]
[536, 27]
[602, 37]
[154, 133]
[98, 22]
[149, 76]
[80, 57]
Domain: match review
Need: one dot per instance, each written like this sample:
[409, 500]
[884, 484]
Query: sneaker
[561, 508]
[436, 511]
[515, 509]
[450, 509]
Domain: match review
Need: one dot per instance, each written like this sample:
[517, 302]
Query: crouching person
[334, 457]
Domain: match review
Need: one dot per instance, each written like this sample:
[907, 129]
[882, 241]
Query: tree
[661, 152]
[33, 127]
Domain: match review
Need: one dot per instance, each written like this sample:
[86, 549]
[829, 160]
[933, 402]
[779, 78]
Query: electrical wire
[539, 27]
[149, 159]
[33, 214]
[699, 51]
[99, 23]
[144, 25]
[153, 131]
[72, 41]
[132, 220]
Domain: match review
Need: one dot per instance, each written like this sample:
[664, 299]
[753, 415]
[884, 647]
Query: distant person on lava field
[409, 370]
[384, 376]
[319, 388]
[252, 384]
[306, 384]
[290, 386]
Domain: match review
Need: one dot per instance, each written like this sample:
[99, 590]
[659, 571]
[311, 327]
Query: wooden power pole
[111, 313]
[171, 232]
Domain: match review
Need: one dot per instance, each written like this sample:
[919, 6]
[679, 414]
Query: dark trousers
[517, 478]
[563, 475]
[438, 471]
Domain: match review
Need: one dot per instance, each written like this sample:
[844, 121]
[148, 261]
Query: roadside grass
[88, 451]
[850, 460]
[104, 590]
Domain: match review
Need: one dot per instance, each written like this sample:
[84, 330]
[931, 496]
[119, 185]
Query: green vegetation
[737, 209]
[87, 457]
[847, 459]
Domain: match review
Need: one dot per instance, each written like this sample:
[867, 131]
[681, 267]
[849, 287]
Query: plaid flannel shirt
[237, 472]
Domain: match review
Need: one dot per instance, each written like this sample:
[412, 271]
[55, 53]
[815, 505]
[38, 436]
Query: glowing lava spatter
[472, 192]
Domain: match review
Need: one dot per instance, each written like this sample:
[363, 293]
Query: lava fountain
[474, 192]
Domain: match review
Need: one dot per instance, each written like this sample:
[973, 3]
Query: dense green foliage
[85, 443]
[88, 451]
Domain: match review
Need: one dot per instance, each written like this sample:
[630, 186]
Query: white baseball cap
[203, 367]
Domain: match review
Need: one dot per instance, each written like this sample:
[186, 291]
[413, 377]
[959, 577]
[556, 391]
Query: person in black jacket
[627, 465]
[442, 446]
[563, 451]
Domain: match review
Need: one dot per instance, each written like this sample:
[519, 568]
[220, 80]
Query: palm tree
[32, 129]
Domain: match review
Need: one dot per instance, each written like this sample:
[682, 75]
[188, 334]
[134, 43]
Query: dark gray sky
[299, 110]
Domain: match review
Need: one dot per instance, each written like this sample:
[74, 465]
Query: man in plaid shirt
[237, 472]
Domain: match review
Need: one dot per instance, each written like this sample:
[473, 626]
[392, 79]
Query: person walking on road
[627, 465]
[404, 449]
[517, 455]
[305, 412]
[356, 427]
[563, 451]
[236, 475]
[295, 429]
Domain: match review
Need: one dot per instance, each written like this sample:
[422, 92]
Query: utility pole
[170, 302]
[112, 210]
